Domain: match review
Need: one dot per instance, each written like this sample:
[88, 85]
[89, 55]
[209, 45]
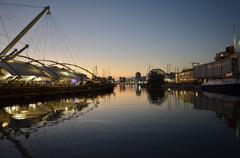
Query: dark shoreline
[227, 90]
[27, 95]
[174, 86]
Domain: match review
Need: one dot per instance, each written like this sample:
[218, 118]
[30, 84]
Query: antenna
[234, 39]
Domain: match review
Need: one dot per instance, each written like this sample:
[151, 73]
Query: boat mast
[24, 31]
[234, 39]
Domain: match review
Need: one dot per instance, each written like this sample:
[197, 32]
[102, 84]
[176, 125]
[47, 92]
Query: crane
[194, 63]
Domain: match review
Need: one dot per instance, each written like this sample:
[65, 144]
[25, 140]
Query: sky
[126, 36]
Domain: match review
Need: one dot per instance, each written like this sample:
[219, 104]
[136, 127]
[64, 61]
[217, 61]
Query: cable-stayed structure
[18, 71]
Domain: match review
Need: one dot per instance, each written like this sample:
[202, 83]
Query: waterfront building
[226, 65]
[122, 79]
[111, 79]
[144, 79]
[185, 76]
[138, 78]
[170, 77]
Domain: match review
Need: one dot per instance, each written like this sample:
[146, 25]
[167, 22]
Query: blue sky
[128, 35]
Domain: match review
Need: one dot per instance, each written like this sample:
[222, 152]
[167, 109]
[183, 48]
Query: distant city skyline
[126, 36]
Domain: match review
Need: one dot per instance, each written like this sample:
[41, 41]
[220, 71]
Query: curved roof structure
[63, 73]
[68, 66]
[158, 71]
[31, 69]
[20, 69]
[23, 69]
[89, 72]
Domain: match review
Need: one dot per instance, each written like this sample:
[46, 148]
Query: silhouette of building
[138, 78]
[122, 79]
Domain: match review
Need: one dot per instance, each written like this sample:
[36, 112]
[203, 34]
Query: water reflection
[23, 120]
[226, 107]
[123, 124]
[156, 96]
[138, 90]
[122, 87]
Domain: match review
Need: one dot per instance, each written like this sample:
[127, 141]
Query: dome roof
[158, 71]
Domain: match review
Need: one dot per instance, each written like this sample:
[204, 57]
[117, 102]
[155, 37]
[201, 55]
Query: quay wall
[31, 93]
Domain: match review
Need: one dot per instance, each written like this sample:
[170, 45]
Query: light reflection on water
[131, 122]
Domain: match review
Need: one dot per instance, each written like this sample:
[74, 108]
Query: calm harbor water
[131, 122]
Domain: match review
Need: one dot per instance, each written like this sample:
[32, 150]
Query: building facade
[226, 64]
[185, 76]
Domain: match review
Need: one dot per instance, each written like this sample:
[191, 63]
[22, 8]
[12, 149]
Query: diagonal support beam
[24, 31]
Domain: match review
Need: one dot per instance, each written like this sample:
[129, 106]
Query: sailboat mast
[234, 39]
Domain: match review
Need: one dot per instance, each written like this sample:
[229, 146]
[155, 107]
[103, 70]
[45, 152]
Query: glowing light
[32, 106]
[13, 108]
[65, 73]
[74, 81]
[30, 77]
[5, 124]
[196, 94]
[19, 116]
[7, 109]
[38, 79]
[228, 74]
[6, 76]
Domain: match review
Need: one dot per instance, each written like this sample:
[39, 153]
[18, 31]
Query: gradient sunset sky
[130, 35]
